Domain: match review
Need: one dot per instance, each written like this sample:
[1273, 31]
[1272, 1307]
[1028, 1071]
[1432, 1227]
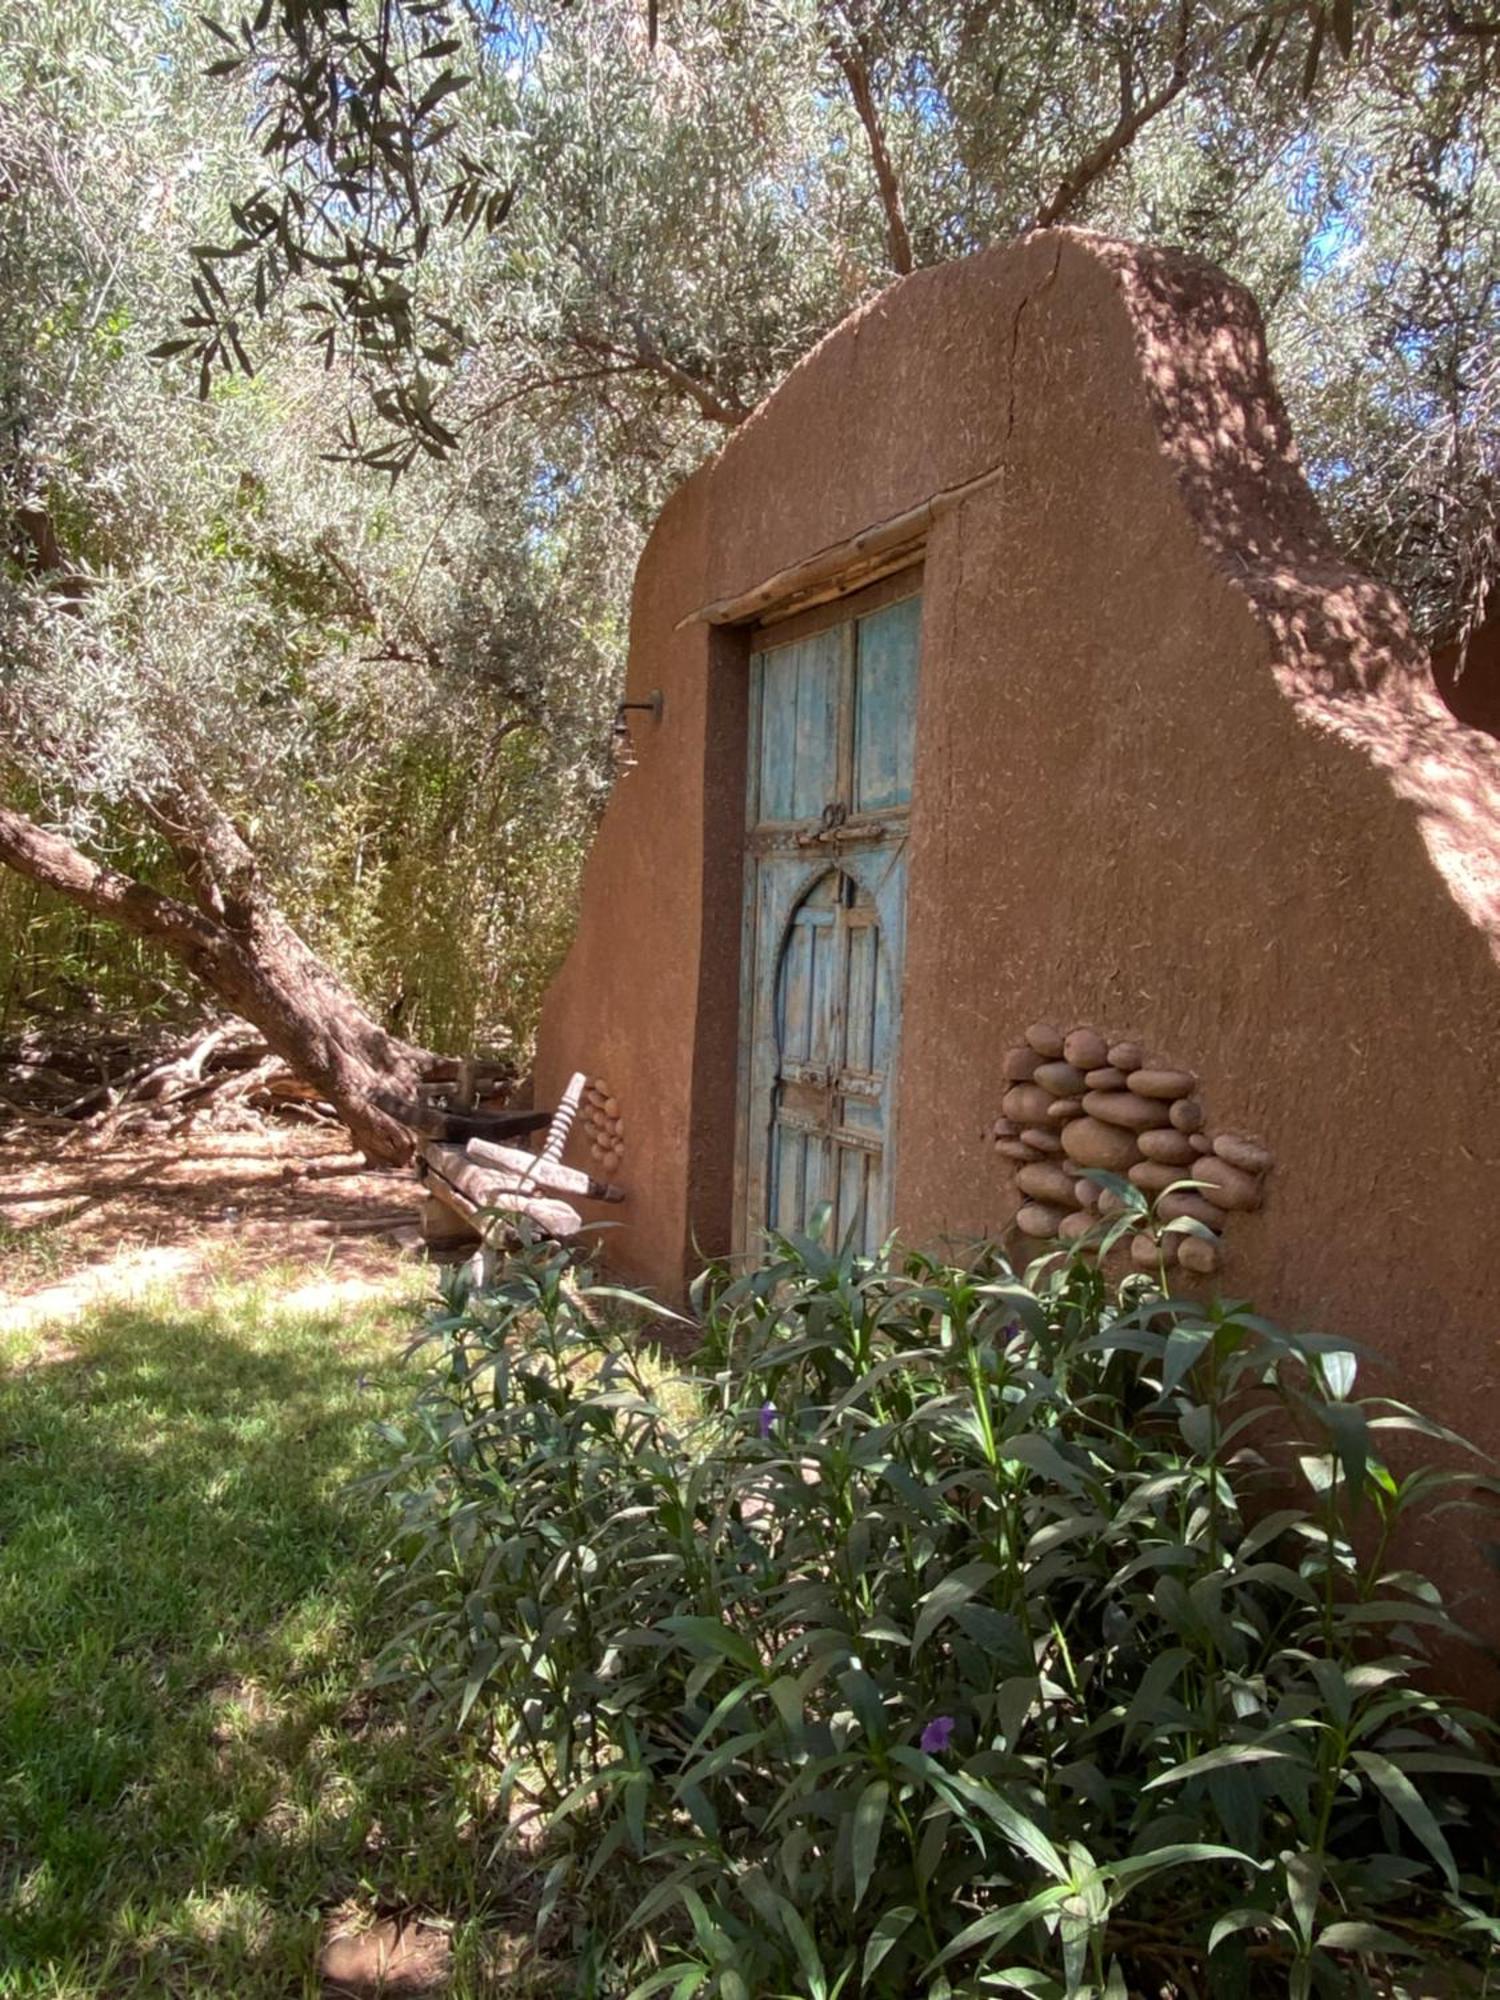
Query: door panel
[885, 706]
[799, 711]
[830, 1097]
[825, 918]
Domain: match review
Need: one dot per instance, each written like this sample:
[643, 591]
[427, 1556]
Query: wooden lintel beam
[875, 550]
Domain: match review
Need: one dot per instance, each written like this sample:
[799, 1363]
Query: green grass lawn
[191, 1778]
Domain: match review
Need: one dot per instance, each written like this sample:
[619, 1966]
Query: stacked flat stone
[603, 1126]
[1076, 1100]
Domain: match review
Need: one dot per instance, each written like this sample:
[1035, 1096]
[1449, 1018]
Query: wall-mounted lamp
[619, 736]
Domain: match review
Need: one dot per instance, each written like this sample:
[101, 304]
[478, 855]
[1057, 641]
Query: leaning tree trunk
[237, 943]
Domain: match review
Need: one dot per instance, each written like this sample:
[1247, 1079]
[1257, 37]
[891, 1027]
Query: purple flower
[768, 1416]
[938, 1735]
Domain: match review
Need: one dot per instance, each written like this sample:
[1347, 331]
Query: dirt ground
[76, 1224]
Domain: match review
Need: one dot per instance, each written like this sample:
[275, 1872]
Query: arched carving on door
[830, 1090]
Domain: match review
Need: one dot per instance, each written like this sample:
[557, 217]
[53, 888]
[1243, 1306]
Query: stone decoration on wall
[603, 1126]
[1075, 1100]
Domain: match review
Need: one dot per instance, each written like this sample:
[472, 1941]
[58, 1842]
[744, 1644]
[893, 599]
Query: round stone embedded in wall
[1108, 1078]
[1095, 1144]
[1146, 1253]
[1197, 1256]
[1153, 1176]
[1036, 1218]
[1162, 1082]
[1019, 1065]
[1127, 1056]
[1124, 1107]
[1247, 1154]
[1187, 1114]
[1064, 1108]
[1227, 1186]
[1061, 1078]
[1086, 1048]
[1186, 1202]
[1072, 1227]
[1026, 1103]
[1043, 1140]
[1200, 1142]
[1046, 1040]
[1014, 1149]
[1174, 1149]
[1047, 1183]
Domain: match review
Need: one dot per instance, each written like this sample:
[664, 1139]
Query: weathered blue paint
[797, 768]
[825, 917]
[885, 701]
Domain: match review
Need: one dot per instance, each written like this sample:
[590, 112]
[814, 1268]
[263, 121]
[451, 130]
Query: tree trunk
[239, 945]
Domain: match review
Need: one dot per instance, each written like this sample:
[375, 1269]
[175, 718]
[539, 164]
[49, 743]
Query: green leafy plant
[946, 1630]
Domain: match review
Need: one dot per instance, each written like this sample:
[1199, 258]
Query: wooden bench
[486, 1189]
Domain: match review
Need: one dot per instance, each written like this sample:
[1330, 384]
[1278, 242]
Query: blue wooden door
[830, 780]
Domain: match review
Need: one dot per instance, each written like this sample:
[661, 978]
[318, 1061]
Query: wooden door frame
[771, 630]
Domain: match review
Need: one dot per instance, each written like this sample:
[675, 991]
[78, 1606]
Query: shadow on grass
[190, 1778]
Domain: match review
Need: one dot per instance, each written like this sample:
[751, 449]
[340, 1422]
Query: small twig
[48, 1121]
[327, 1170]
[364, 1225]
[649, 356]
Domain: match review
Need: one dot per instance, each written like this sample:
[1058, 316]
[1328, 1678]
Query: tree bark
[237, 943]
[897, 237]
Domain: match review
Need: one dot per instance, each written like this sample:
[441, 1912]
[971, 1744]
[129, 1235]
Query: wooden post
[559, 1131]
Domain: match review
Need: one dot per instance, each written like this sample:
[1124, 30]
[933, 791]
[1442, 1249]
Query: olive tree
[350, 344]
[676, 198]
[211, 636]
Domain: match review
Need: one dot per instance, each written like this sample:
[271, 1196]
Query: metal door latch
[836, 829]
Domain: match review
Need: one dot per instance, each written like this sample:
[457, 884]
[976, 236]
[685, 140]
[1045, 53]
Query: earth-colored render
[1179, 771]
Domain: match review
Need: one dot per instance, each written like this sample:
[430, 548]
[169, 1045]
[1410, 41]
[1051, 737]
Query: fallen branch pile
[101, 1084]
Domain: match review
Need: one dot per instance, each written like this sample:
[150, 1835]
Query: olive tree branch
[1189, 59]
[646, 355]
[850, 57]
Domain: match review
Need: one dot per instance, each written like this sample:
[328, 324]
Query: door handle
[841, 832]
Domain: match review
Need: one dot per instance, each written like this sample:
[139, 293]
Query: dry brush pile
[96, 1083]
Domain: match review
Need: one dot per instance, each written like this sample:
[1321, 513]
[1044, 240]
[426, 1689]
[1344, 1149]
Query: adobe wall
[1179, 772]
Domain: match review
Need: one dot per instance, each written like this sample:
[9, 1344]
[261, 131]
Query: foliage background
[582, 244]
[400, 692]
